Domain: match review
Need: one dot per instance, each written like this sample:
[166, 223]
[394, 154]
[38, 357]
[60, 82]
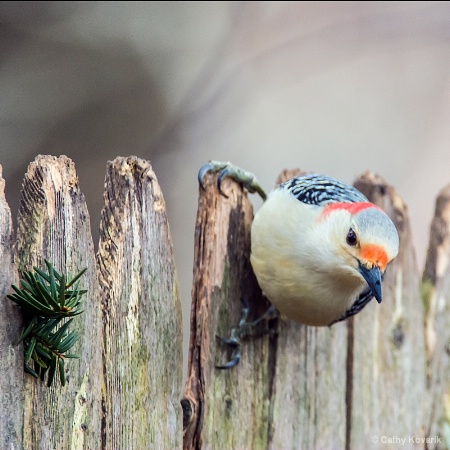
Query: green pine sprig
[47, 301]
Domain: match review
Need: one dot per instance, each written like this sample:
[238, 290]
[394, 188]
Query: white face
[368, 238]
[371, 239]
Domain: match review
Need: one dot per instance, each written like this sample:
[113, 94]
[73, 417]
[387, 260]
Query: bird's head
[368, 240]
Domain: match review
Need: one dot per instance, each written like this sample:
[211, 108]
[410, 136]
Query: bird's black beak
[373, 278]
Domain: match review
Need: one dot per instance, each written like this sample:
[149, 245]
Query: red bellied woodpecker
[319, 248]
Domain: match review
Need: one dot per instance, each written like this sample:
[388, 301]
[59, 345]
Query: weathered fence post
[384, 374]
[436, 295]
[347, 386]
[11, 354]
[388, 376]
[54, 224]
[124, 391]
[142, 360]
[215, 402]
[273, 398]
[310, 383]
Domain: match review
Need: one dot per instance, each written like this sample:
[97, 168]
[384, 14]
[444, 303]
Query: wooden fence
[369, 382]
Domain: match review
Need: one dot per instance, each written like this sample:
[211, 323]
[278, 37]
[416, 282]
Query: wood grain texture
[435, 295]
[310, 364]
[386, 372]
[224, 409]
[11, 360]
[142, 341]
[278, 397]
[389, 396]
[54, 224]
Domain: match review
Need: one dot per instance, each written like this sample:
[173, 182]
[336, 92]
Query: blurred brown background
[332, 87]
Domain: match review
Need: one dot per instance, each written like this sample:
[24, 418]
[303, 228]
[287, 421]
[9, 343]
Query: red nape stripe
[352, 208]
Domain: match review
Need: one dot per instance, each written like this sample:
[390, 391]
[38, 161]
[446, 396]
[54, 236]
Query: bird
[319, 248]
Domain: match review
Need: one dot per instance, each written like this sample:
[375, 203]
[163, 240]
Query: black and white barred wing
[320, 190]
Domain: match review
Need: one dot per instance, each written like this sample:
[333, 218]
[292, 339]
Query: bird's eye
[352, 240]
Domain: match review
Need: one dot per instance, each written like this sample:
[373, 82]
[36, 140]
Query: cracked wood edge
[11, 361]
[389, 353]
[53, 223]
[276, 390]
[142, 338]
[435, 296]
[217, 402]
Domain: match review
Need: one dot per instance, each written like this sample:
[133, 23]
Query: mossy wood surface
[275, 397]
[347, 386]
[124, 391]
[388, 364]
[436, 294]
[53, 224]
[216, 401]
[385, 373]
[141, 313]
[11, 354]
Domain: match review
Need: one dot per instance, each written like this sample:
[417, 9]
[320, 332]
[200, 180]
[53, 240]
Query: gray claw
[232, 342]
[201, 173]
[245, 330]
[222, 175]
[211, 166]
[234, 361]
[226, 169]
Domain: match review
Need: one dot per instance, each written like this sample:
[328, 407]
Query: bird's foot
[226, 169]
[245, 330]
